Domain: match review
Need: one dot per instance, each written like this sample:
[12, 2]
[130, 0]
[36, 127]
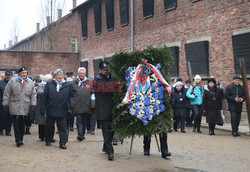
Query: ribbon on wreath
[136, 78]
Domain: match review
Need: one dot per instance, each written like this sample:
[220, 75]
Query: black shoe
[210, 133]
[183, 131]
[198, 131]
[71, 129]
[19, 143]
[53, 140]
[194, 130]
[80, 138]
[165, 154]
[7, 134]
[110, 156]
[27, 131]
[115, 142]
[237, 134]
[146, 152]
[48, 143]
[62, 146]
[175, 130]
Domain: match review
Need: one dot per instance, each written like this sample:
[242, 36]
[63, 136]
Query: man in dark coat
[235, 95]
[5, 119]
[83, 102]
[57, 94]
[103, 104]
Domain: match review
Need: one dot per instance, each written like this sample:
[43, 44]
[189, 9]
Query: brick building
[208, 33]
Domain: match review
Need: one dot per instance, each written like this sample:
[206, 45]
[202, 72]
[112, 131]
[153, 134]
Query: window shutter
[96, 66]
[124, 12]
[98, 18]
[148, 8]
[170, 4]
[85, 64]
[109, 14]
[174, 70]
[241, 49]
[84, 23]
[197, 53]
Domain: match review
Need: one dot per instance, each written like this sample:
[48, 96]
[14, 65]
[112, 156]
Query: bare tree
[49, 8]
[15, 29]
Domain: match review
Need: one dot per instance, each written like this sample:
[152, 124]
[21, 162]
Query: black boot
[27, 131]
[63, 146]
[165, 154]
[146, 152]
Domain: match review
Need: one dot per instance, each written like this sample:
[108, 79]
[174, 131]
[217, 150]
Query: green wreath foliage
[124, 123]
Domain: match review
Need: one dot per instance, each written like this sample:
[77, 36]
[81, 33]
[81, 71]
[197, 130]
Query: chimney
[48, 20]
[37, 27]
[74, 3]
[10, 43]
[16, 37]
[59, 13]
[5, 47]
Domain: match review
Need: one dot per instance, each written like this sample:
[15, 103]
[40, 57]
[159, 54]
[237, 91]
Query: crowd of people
[53, 100]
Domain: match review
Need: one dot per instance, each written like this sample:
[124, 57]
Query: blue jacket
[196, 97]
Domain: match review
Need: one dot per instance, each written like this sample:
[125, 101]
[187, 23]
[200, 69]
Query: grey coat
[19, 97]
[40, 119]
[82, 98]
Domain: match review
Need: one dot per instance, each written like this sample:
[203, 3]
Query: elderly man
[103, 106]
[83, 102]
[19, 100]
[57, 94]
[5, 119]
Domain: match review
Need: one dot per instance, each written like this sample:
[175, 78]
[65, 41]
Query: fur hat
[211, 80]
[197, 77]
[47, 77]
[179, 83]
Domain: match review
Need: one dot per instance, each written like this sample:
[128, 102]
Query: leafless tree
[15, 29]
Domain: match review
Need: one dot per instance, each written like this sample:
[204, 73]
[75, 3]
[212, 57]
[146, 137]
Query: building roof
[84, 5]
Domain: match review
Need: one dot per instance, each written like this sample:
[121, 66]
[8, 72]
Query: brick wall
[39, 62]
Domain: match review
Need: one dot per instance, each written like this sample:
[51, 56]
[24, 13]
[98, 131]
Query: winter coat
[56, 103]
[178, 98]
[230, 95]
[40, 119]
[2, 88]
[212, 104]
[82, 97]
[195, 95]
[19, 97]
[103, 99]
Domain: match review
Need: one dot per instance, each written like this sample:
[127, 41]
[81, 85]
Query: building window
[85, 64]
[98, 18]
[74, 46]
[170, 4]
[84, 23]
[241, 49]
[174, 70]
[109, 14]
[148, 8]
[124, 12]
[198, 53]
[96, 65]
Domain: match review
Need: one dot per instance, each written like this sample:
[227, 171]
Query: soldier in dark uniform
[103, 105]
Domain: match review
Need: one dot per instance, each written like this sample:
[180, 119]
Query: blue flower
[153, 87]
[129, 105]
[155, 107]
[160, 83]
[155, 95]
[160, 95]
[137, 99]
[162, 107]
[158, 66]
[146, 100]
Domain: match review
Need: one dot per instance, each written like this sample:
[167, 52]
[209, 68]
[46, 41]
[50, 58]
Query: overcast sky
[26, 13]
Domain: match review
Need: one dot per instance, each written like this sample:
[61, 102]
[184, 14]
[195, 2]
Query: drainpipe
[132, 25]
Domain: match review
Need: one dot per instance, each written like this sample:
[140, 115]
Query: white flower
[154, 77]
[139, 116]
[141, 105]
[158, 112]
[142, 99]
[132, 111]
[152, 101]
[133, 97]
[150, 108]
[150, 118]
[158, 102]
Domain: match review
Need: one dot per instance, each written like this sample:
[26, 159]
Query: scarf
[59, 84]
[23, 81]
[80, 82]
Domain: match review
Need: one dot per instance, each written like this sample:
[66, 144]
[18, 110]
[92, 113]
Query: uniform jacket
[230, 95]
[103, 99]
[81, 96]
[195, 96]
[212, 104]
[19, 97]
[56, 103]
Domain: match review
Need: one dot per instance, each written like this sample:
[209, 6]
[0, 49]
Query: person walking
[19, 100]
[103, 106]
[235, 95]
[57, 94]
[212, 105]
[5, 118]
[194, 93]
[82, 98]
[178, 98]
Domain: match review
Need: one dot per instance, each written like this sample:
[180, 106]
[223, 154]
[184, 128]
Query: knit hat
[179, 83]
[211, 80]
[57, 71]
[197, 77]
[21, 69]
[47, 77]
